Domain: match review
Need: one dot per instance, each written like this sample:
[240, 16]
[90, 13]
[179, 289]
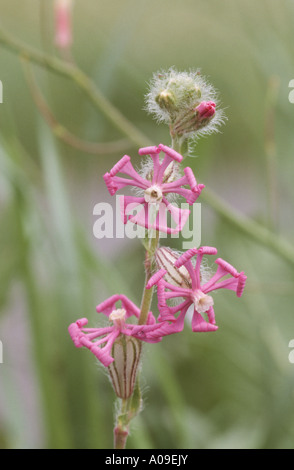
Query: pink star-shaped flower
[155, 190]
[105, 337]
[194, 293]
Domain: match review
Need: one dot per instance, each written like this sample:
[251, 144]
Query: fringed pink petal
[108, 305]
[128, 204]
[124, 166]
[144, 332]
[171, 153]
[112, 188]
[168, 312]
[241, 284]
[211, 315]
[75, 331]
[149, 150]
[179, 216]
[207, 250]
[141, 217]
[185, 257]
[227, 267]
[190, 178]
[200, 325]
[120, 165]
[104, 354]
[155, 278]
[236, 283]
[167, 328]
[129, 306]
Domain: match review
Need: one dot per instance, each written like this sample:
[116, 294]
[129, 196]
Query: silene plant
[182, 281]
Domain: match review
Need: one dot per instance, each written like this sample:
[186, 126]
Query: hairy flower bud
[126, 353]
[186, 102]
[166, 100]
[206, 110]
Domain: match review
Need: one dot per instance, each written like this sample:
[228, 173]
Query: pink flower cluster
[178, 294]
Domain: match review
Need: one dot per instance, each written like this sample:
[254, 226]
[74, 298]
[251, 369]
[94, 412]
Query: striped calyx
[165, 259]
[123, 371]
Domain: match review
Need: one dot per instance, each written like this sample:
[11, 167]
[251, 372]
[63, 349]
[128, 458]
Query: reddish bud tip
[206, 109]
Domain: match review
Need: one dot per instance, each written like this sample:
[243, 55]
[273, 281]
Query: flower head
[100, 341]
[186, 102]
[159, 183]
[197, 294]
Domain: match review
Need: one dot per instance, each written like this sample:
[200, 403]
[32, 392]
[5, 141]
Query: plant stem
[120, 438]
[121, 430]
[148, 293]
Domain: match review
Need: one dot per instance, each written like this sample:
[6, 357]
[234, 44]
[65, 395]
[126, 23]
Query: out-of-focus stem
[75, 74]
[95, 148]
[270, 151]
[257, 232]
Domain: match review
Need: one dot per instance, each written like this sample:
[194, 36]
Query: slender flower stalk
[185, 102]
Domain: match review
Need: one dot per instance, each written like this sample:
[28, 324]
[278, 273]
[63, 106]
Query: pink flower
[102, 347]
[161, 182]
[63, 28]
[206, 109]
[195, 293]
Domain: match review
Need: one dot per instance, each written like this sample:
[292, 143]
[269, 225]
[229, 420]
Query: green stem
[120, 435]
[148, 293]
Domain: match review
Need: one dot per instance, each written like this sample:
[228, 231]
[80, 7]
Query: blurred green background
[231, 389]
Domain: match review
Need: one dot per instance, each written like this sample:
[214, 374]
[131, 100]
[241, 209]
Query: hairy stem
[121, 430]
[148, 293]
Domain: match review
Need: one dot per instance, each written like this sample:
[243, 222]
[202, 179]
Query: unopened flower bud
[205, 110]
[166, 100]
[126, 353]
[186, 102]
